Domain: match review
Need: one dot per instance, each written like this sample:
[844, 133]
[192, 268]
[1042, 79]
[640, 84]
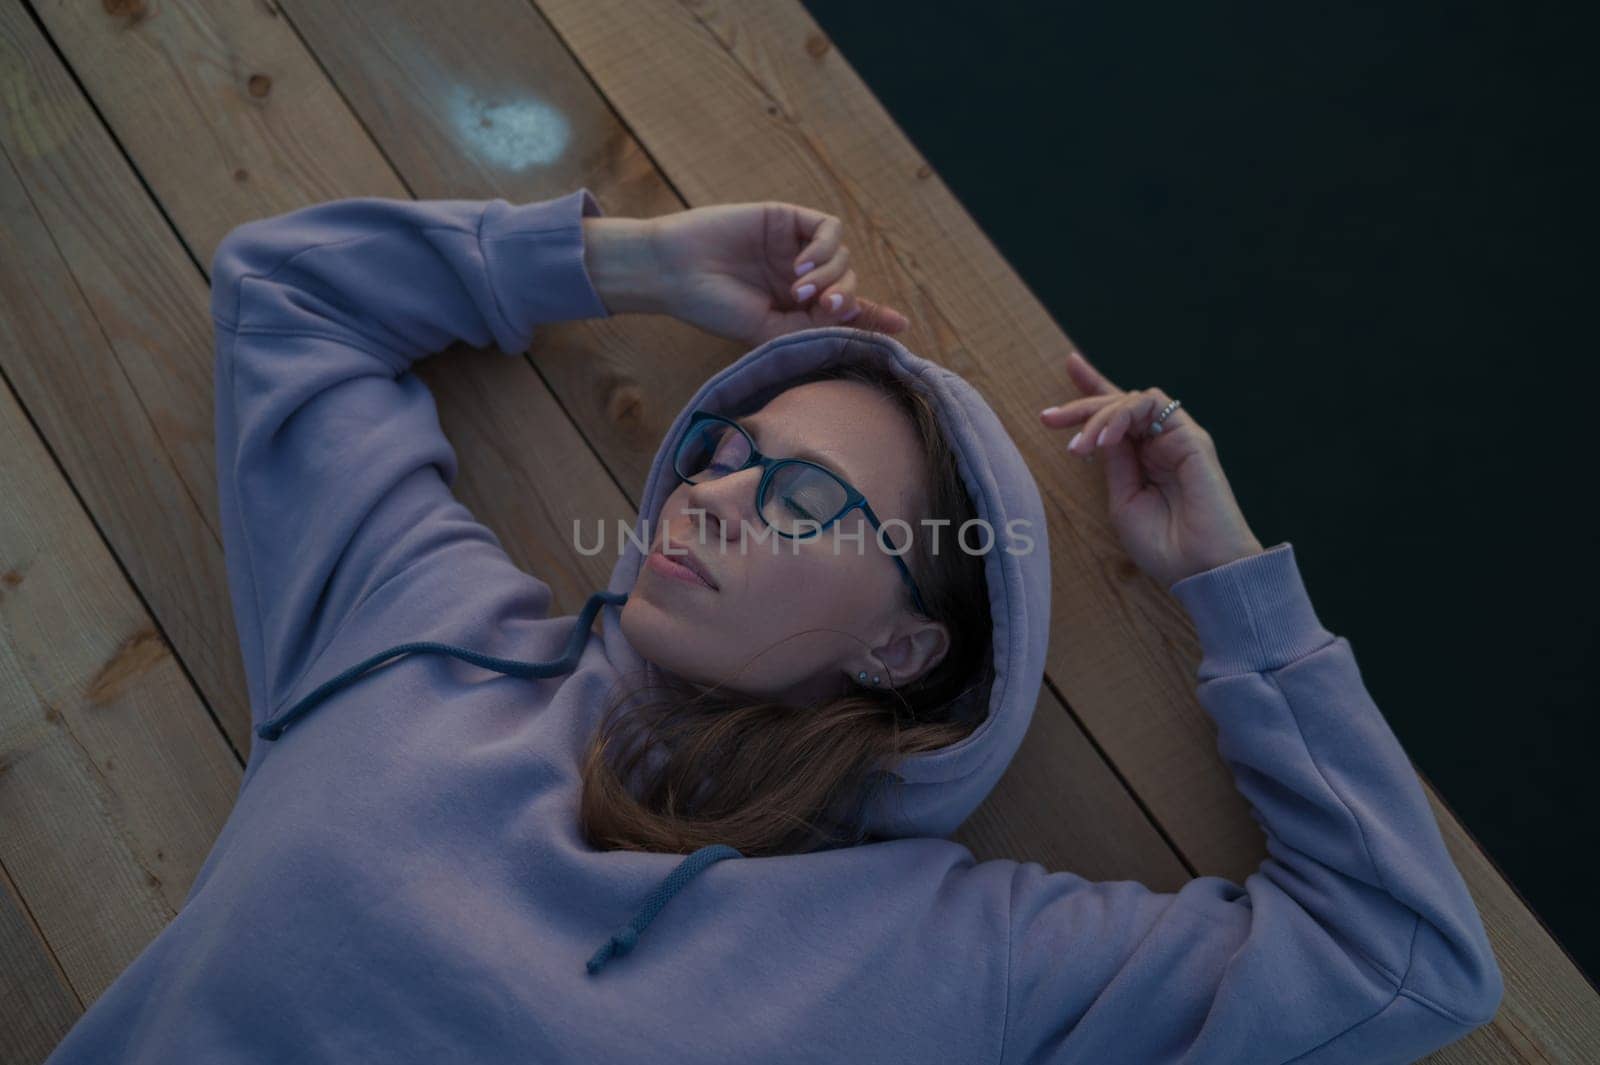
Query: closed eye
[798, 509]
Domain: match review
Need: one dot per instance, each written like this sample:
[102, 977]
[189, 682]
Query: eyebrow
[749, 423]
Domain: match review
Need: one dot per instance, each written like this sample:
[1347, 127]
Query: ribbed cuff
[1252, 615]
[534, 255]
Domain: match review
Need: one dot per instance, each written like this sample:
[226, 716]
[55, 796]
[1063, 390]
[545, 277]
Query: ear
[915, 651]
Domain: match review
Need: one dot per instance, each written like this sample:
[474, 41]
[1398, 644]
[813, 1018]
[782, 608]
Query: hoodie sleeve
[1355, 941]
[333, 473]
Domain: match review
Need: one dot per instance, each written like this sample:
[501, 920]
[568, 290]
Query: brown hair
[767, 777]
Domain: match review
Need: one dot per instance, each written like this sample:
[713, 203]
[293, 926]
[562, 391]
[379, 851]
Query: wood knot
[11, 578]
[133, 657]
[241, 174]
[133, 9]
[625, 405]
[817, 46]
[924, 172]
[1127, 570]
[260, 85]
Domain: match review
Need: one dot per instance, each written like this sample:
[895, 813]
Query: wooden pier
[136, 133]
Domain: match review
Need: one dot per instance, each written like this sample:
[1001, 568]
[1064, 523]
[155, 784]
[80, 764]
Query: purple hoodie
[402, 878]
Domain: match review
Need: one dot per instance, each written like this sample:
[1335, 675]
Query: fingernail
[1047, 411]
[804, 268]
[1074, 441]
[834, 301]
[1100, 440]
[806, 292]
[853, 312]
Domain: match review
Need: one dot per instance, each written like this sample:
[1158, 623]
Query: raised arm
[333, 472]
[1356, 941]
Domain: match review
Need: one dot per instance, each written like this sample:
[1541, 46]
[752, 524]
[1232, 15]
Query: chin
[655, 632]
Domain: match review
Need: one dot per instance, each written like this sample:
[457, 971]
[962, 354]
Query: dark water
[1352, 239]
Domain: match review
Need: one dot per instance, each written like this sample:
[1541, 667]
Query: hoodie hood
[933, 792]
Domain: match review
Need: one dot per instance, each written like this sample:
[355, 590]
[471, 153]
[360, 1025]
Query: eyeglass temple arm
[905, 571]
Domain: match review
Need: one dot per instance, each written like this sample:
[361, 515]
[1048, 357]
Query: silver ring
[1156, 428]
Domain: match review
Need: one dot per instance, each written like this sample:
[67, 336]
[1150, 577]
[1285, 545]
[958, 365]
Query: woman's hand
[1170, 502]
[735, 270]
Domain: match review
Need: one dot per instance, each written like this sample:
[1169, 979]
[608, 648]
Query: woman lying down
[713, 828]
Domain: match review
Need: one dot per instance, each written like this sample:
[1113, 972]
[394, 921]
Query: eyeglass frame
[853, 496]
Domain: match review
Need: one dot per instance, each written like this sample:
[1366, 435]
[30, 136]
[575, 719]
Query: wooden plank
[1549, 1012]
[116, 781]
[739, 102]
[39, 1006]
[1059, 804]
[151, 306]
[112, 358]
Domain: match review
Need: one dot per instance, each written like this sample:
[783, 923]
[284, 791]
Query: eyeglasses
[794, 494]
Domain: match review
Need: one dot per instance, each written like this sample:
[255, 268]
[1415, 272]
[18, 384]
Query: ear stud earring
[862, 677]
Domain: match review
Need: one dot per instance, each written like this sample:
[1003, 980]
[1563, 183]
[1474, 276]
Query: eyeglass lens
[798, 497]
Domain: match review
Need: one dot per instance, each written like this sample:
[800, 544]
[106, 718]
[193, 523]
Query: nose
[729, 502]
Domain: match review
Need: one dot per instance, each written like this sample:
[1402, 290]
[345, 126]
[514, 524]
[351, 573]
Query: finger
[815, 282]
[877, 317]
[1131, 419]
[820, 233]
[1138, 411]
[1124, 473]
[1116, 426]
[1074, 411]
[1083, 444]
[1151, 403]
[1179, 423]
[1086, 377]
[838, 299]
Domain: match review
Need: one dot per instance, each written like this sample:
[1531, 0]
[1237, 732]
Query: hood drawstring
[273, 728]
[624, 938]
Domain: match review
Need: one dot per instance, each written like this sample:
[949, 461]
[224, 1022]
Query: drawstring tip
[269, 731]
[620, 943]
[624, 938]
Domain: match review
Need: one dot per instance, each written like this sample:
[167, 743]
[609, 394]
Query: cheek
[817, 581]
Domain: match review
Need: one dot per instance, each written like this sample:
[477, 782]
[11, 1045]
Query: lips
[685, 557]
